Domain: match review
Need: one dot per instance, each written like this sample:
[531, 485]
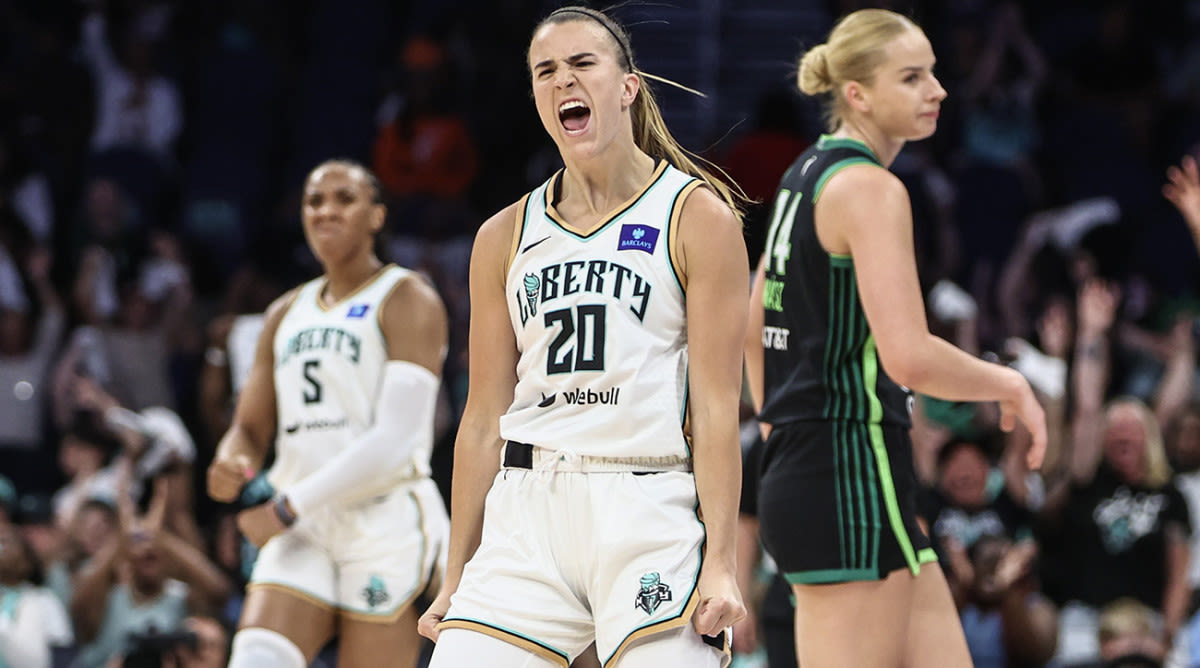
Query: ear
[631, 86]
[378, 218]
[857, 96]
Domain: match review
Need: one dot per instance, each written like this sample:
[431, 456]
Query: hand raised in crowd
[1097, 308]
[1054, 330]
[1183, 190]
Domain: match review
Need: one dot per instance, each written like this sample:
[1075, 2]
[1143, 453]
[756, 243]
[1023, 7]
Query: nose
[564, 78]
[938, 93]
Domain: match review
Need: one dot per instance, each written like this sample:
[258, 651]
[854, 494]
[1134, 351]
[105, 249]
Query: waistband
[525, 456]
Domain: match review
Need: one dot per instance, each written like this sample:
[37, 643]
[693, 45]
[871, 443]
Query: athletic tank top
[328, 371]
[820, 361]
[600, 325]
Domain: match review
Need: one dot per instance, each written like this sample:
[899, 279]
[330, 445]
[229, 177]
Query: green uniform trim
[870, 376]
[834, 169]
[831, 575]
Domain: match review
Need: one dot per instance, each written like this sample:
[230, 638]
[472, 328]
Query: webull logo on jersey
[588, 397]
[638, 237]
[324, 424]
[583, 276]
[322, 338]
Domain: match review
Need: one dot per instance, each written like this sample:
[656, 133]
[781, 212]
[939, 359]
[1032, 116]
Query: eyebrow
[571, 60]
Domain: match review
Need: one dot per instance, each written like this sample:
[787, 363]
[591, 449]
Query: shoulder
[709, 232]
[280, 306]
[704, 205]
[848, 184]
[495, 239]
[413, 298]
[500, 227]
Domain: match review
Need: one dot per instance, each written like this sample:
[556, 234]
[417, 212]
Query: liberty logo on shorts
[375, 593]
[652, 593]
[638, 237]
[357, 311]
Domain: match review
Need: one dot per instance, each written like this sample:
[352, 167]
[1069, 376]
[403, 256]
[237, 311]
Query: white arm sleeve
[403, 422]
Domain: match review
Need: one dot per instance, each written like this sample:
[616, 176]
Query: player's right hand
[427, 625]
[227, 476]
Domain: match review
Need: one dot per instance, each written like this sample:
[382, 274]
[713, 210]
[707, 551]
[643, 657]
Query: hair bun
[814, 77]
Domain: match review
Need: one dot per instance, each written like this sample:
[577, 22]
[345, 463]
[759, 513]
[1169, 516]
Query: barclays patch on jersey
[638, 237]
[358, 311]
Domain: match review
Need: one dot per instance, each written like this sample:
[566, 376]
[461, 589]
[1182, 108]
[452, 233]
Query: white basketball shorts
[370, 560]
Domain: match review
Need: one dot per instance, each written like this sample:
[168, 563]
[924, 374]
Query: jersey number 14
[779, 235]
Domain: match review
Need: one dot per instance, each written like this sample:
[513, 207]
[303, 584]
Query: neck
[605, 181]
[885, 148]
[342, 279]
[144, 591]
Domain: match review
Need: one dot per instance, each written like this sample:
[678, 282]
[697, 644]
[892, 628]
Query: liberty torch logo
[652, 594]
[532, 288]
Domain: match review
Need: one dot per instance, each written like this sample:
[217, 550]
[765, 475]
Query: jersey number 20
[585, 326]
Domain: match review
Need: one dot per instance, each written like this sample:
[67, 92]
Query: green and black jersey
[820, 360]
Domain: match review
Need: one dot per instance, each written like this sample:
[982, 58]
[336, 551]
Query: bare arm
[1178, 592]
[215, 383]
[1179, 379]
[877, 232]
[1097, 309]
[493, 377]
[715, 265]
[208, 587]
[90, 592]
[752, 347]
[245, 445]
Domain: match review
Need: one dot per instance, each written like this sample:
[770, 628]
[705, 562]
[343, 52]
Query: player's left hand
[720, 601]
[260, 523]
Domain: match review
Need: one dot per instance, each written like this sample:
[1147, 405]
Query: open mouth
[574, 116]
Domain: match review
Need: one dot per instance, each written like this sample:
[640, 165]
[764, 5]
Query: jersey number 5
[312, 392]
[779, 235]
[586, 326]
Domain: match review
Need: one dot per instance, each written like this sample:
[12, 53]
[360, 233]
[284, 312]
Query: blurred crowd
[151, 158]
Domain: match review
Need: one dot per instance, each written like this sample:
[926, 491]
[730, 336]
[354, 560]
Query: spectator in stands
[130, 585]
[1130, 636]
[1005, 618]
[29, 341]
[971, 501]
[32, 619]
[130, 356]
[424, 154]
[1116, 525]
[136, 107]
[25, 188]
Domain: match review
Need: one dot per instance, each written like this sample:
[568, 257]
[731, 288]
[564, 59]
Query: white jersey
[328, 372]
[600, 325]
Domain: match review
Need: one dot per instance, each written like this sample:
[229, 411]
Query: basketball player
[844, 338]
[346, 375]
[607, 311]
